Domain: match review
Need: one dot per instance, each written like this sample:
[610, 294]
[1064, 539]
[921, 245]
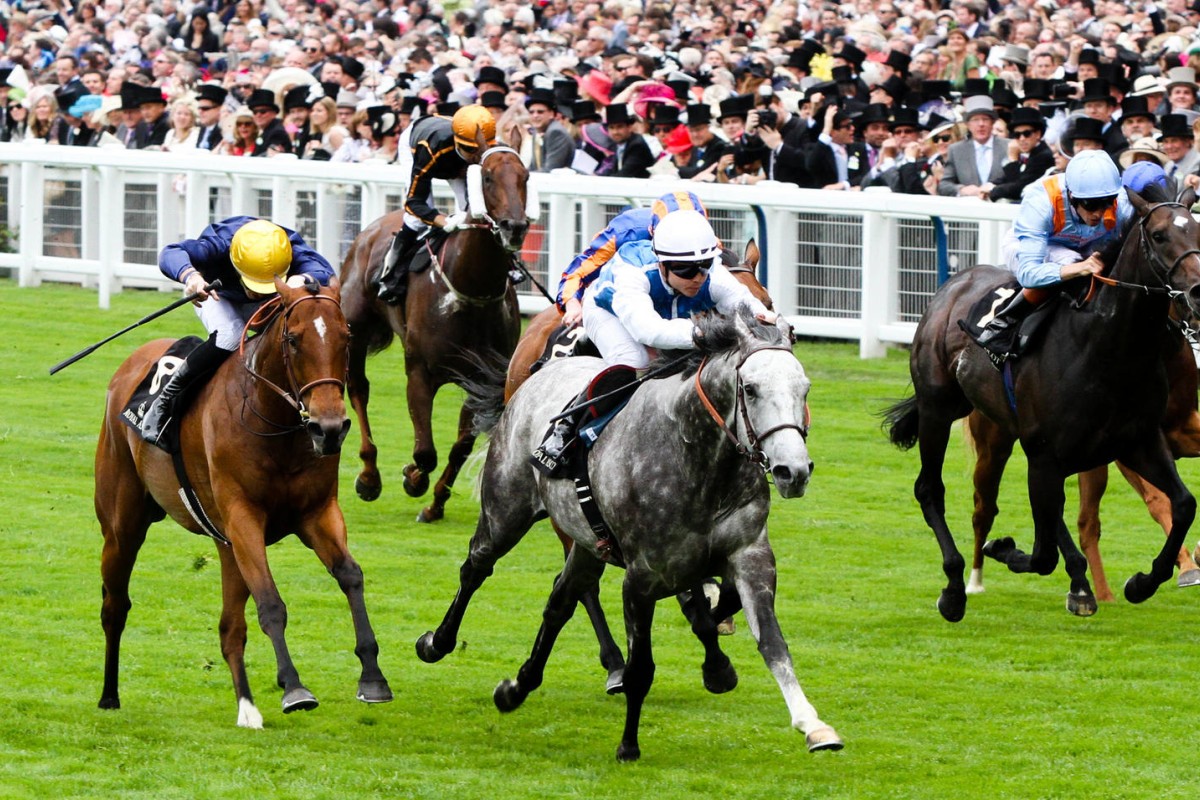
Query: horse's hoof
[426, 651]
[1081, 604]
[726, 627]
[367, 490]
[299, 699]
[722, 679]
[616, 682]
[1140, 588]
[430, 514]
[628, 752]
[110, 703]
[374, 691]
[824, 738]
[952, 605]
[416, 482]
[1189, 578]
[508, 696]
[999, 548]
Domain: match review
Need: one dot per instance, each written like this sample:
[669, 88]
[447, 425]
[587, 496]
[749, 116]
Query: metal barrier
[846, 265]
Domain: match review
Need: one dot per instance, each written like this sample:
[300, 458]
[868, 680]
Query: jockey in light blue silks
[1063, 224]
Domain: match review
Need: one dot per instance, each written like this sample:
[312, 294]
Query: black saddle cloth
[1030, 332]
[562, 343]
[157, 378]
[427, 248]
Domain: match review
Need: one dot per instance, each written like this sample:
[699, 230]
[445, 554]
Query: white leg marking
[248, 715]
[975, 584]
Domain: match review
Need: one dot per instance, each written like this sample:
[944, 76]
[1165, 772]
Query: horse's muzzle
[327, 435]
[512, 233]
[791, 480]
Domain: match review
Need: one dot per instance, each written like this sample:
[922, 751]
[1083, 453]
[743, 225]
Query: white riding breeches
[228, 320]
[615, 344]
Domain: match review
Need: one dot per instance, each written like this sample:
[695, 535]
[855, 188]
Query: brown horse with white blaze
[260, 445]
[459, 310]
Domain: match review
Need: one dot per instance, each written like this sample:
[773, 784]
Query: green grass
[1020, 700]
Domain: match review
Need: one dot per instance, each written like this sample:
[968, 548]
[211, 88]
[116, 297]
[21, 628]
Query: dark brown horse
[1089, 396]
[461, 308]
[260, 445]
[529, 349]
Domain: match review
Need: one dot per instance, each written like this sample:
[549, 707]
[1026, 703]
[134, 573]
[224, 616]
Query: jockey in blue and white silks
[646, 294]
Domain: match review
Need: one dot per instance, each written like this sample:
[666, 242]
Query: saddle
[587, 414]
[564, 342]
[426, 249]
[1030, 332]
[156, 379]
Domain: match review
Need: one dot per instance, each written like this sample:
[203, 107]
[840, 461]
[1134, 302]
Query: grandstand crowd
[975, 98]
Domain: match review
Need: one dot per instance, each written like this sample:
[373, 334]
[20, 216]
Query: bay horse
[260, 444]
[1091, 394]
[529, 350]
[462, 306]
[679, 478]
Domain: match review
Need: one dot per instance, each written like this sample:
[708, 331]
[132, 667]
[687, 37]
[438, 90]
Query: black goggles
[687, 269]
[1094, 204]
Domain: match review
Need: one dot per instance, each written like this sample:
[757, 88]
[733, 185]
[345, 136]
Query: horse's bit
[264, 316]
[754, 453]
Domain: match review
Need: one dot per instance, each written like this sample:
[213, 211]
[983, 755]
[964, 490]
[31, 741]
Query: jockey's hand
[1092, 265]
[195, 286]
[574, 312]
[455, 221]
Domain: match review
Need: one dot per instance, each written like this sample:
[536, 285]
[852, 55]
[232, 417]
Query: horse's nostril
[781, 474]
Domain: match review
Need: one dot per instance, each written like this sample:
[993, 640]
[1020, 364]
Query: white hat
[1144, 85]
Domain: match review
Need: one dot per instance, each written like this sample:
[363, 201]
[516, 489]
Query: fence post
[33, 203]
[110, 244]
[782, 256]
[560, 233]
[283, 202]
[879, 242]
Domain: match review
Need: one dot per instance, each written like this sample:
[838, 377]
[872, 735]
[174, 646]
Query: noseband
[754, 452]
[1161, 270]
[266, 314]
[486, 220]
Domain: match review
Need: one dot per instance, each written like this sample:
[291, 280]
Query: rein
[263, 318]
[753, 453]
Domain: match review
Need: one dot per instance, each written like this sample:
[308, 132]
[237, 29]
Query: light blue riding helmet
[1092, 173]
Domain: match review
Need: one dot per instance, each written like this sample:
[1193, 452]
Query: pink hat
[653, 93]
[598, 86]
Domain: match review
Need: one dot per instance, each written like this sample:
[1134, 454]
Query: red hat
[678, 141]
[598, 86]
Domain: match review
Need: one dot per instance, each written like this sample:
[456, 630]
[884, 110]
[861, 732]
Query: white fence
[844, 265]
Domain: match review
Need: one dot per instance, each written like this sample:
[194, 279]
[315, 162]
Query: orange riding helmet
[469, 119]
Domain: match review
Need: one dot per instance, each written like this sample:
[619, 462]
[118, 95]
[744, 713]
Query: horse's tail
[901, 421]
[485, 388]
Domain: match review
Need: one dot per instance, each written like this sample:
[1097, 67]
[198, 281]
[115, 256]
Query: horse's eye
[1159, 237]
[290, 340]
[751, 392]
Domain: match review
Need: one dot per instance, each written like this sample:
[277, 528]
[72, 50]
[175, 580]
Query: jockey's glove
[455, 221]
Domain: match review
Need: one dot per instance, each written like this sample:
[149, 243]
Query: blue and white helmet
[1092, 173]
[685, 235]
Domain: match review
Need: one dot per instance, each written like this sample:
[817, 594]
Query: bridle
[486, 221]
[754, 452]
[267, 314]
[1160, 268]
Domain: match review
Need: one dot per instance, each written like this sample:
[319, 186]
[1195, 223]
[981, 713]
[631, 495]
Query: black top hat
[620, 114]
[896, 88]
[352, 67]
[931, 90]
[383, 121]
[410, 104]
[800, 59]
[852, 55]
[976, 86]
[1002, 96]
[811, 46]
[1037, 89]
[330, 89]
[1176, 125]
[682, 89]
[131, 96]
[661, 114]
[583, 111]
[1027, 116]
[907, 117]
[150, 94]
[543, 97]
[899, 61]
[1089, 55]
[566, 92]
[4, 73]
[842, 74]
[492, 100]
[261, 98]
[736, 106]
[1097, 89]
[1136, 107]
[1088, 128]
[699, 114]
[875, 112]
[69, 96]
[447, 108]
[212, 92]
[491, 75]
[298, 97]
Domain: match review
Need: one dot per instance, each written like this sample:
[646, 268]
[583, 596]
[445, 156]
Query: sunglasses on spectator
[685, 269]
[206, 108]
[904, 131]
[942, 138]
[1094, 204]
[1025, 132]
[312, 49]
[845, 126]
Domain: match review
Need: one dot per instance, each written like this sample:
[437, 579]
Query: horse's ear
[751, 257]
[481, 139]
[1188, 198]
[335, 286]
[1138, 203]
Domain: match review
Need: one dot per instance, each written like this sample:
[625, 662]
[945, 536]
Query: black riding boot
[393, 283]
[201, 361]
[999, 337]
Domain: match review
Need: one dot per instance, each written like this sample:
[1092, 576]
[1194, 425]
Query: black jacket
[434, 156]
[274, 135]
[635, 161]
[1017, 175]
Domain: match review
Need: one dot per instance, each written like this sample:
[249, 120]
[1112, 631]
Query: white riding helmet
[1092, 173]
[685, 236]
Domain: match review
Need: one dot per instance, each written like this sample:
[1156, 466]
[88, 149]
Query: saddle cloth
[156, 379]
[562, 343]
[984, 310]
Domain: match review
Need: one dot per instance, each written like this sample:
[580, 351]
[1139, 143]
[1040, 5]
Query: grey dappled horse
[678, 477]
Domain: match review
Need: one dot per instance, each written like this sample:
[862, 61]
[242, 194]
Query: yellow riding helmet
[467, 120]
[260, 253]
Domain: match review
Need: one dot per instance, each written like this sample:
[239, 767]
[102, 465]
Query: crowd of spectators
[973, 98]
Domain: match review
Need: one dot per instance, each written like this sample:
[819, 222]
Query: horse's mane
[718, 335]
